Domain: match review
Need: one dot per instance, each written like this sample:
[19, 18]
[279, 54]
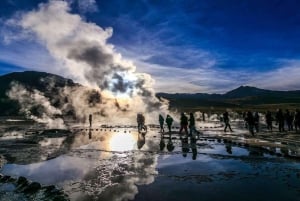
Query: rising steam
[115, 91]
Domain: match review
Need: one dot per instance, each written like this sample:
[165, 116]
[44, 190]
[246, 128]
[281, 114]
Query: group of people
[292, 120]
[169, 122]
[185, 123]
[251, 121]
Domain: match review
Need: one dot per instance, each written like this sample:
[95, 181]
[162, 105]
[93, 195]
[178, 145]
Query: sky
[187, 46]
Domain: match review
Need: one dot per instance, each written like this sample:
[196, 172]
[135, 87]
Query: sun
[122, 142]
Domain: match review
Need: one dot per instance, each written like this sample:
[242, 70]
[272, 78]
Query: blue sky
[187, 46]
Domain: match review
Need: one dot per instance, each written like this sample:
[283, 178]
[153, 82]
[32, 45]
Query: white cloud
[283, 78]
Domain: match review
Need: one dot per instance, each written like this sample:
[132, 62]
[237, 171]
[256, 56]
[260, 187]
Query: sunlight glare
[122, 142]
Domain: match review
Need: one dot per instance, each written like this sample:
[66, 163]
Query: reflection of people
[183, 123]
[228, 148]
[169, 121]
[141, 140]
[161, 123]
[184, 146]
[226, 121]
[170, 145]
[90, 134]
[90, 119]
[141, 122]
[194, 148]
[162, 143]
[192, 124]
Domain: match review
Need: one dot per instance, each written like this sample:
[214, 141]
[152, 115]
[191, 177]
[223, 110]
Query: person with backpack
[183, 123]
[226, 121]
[161, 123]
[169, 121]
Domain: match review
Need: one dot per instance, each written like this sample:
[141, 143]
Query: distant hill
[31, 80]
[241, 97]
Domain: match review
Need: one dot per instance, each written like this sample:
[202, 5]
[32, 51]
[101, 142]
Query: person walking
[256, 121]
[289, 120]
[226, 121]
[90, 120]
[169, 121]
[192, 124]
[269, 120]
[183, 123]
[141, 122]
[250, 121]
[161, 123]
[297, 120]
[280, 120]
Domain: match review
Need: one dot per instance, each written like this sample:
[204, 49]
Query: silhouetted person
[170, 145]
[184, 146]
[169, 121]
[203, 116]
[192, 124]
[226, 121]
[280, 120]
[250, 121]
[183, 123]
[141, 122]
[297, 120]
[161, 123]
[256, 121]
[245, 119]
[194, 148]
[289, 120]
[90, 119]
[269, 120]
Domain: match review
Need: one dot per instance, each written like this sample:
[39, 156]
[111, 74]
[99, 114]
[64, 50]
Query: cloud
[86, 6]
[82, 53]
[284, 78]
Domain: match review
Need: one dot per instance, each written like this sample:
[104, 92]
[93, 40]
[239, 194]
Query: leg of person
[186, 130]
[181, 128]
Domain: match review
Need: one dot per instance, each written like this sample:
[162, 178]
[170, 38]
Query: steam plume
[84, 55]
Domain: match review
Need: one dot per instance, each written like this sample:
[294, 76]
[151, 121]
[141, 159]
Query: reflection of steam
[84, 54]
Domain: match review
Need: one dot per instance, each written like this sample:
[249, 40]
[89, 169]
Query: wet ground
[117, 163]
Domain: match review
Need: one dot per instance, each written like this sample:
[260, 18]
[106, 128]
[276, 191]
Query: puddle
[117, 163]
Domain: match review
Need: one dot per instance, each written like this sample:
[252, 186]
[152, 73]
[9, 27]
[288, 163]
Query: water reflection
[162, 143]
[185, 146]
[90, 134]
[194, 148]
[122, 142]
[170, 145]
[141, 140]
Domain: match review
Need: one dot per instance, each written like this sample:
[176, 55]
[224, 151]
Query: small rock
[5, 178]
[32, 188]
[22, 181]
